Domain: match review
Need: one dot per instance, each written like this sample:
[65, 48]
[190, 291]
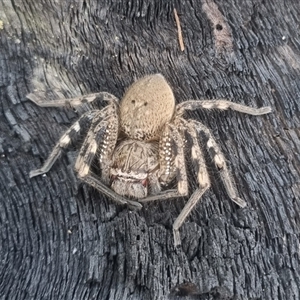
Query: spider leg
[179, 161]
[87, 154]
[69, 137]
[220, 162]
[163, 195]
[94, 181]
[198, 159]
[202, 174]
[172, 138]
[195, 197]
[93, 99]
[222, 104]
[167, 171]
[203, 180]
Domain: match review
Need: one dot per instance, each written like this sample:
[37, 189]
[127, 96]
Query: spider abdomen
[132, 163]
[146, 107]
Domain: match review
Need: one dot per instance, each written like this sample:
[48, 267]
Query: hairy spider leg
[92, 116]
[72, 135]
[221, 104]
[101, 139]
[84, 122]
[94, 99]
[93, 180]
[198, 159]
[179, 161]
[180, 169]
[167, 170]
[220, 162]
[68, 138]
[202, 176]
[97, 142]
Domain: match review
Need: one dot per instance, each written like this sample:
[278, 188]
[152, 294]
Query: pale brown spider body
[145, 109]
[139, 144]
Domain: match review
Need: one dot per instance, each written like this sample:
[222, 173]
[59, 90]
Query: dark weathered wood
[62, 240]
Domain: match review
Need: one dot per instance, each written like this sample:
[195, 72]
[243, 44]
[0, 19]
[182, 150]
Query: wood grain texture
[63, 240]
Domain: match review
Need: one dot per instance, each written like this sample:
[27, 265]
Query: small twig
[179, 30]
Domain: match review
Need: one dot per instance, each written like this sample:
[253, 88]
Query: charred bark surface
[63, 240]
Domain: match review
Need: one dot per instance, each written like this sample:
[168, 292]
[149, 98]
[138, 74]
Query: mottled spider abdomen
[147, 106]
[133, 161]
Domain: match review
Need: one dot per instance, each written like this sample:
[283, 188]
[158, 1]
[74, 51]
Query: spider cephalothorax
[139, 144]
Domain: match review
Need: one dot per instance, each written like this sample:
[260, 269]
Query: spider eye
[133, 101]
[146, 103]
